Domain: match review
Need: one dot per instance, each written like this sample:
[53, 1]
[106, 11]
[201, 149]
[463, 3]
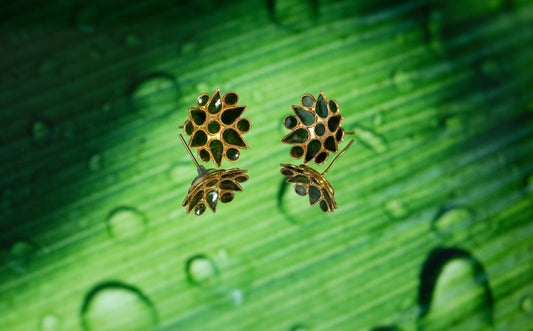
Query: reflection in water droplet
[155, 95]
[50, 323]
[40, 131]
[19, 256]
[224, 276]
[454, 292]
[396, 208]
[127, 224]
[452, 222]
[371, 140]
[403, 80]
[95, 162]
[115, 306]
[526, 304]
[294, 14]
[132, 40]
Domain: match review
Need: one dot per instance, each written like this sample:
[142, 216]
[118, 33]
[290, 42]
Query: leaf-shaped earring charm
[316, 129]
[211, 186]
[309, 181]
[215, 127]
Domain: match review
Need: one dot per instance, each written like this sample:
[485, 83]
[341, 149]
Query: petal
[297, 136]
[216, 104]
[216, 150]
[321, 107]
[230, 115]
[233, 138]
[307, 117]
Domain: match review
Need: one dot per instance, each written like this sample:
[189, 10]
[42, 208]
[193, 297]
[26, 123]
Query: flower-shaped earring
[215, 127]
[309, 181]
[316, 129]
[212, 185]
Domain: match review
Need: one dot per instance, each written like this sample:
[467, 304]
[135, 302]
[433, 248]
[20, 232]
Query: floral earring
[316, 132]
[215, 128]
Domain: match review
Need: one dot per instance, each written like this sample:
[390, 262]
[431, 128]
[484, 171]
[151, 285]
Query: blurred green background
[434, 227]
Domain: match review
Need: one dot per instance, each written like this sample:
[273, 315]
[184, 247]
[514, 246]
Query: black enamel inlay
[321, 107]
[199, 139]
[230, 115]
[297, 136]
[314, 194]
[198, 116]
[216, 104]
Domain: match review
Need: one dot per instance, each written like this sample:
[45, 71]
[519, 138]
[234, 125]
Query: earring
[316, 129]
[215, 127]
[316, 132]
[211, 185]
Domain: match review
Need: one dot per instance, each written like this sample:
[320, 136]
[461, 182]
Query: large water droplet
[396, 208]
[371, 140]
[453, 222]
[296, 15]
[115, 306]
[50, 323]
[40, 131]
[403, 80]
[155, 95]
[225, 276]
[454, 292]
[127, 224]
[19, 256]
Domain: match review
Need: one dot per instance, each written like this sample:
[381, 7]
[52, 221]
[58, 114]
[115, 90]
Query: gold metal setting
[215, 127]
[212, 186]
[316, 129]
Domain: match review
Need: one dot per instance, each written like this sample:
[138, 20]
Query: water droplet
[403, 80]
[41, 131]
[454, 124]
[296, 15]
[50, 323]
[47, 66]
[115, 306]
[225, 276]
[453, 289]
[95, 162]
[452, 222]
[19, 256]
[202, 87]
[127, 224]
[132, 40]
[86, 19]
[396, 208]
[296, 208]
[377, 119]
[155, 95]
[526, 304]
[371, 140]
[189, 48]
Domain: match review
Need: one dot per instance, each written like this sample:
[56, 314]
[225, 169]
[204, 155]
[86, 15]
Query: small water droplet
[19, 256]
[377, 119]
[86, 19]
[127, 224]
[132, 40]
[50, 323]
[403, 80]
[189, 47]
[371, 140]
[453, 290]
[202, 87]
[454, 124]
[116, 306]
[296, 15]
[225, 276]
[452, 222]
[490, 69]
[396, 208]
[155, 95]
[47, 67]
[526, 304]
[41, 131]
[95, 162]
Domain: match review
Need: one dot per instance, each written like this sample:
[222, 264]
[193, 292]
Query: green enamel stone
[229, 185]
[199, 210]
[313, 148]
[321, 107]
[290, 121]
[230, 115]
[204, 155]
[300, 190]
[211, 198]
[216, 104]
[314, 194]
[199, 139]
[320, 129]
[320, 158]
[297, 136]
[217, 149]
[323, 206]
[243, 125]
[297, 152]
[226, 197]
[232, 154]
[308, 100]
[231, 98]
[233, 138]
[213, 127]
[198, 116]
[202, 100]
[333, 123]
[189, 128]
[330, 144]
[333, 106]
[307, 117]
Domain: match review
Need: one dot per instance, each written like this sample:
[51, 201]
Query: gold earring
[309, 181]
[211, 186]
[215, 127]
[316, 129]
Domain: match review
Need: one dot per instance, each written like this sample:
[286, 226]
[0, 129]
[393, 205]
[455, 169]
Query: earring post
[190, 153]
[336, 157]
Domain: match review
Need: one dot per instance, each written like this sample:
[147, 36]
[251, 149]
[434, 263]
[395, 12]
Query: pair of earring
[215, 128]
